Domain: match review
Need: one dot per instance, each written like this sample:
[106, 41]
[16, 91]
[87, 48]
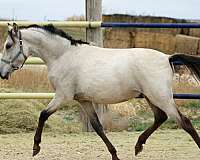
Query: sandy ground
[163, 145]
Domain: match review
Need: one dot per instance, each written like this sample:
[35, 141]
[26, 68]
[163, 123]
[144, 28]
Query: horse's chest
[59, 79]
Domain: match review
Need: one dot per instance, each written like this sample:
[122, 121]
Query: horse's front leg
[51, 108]
[94, 120]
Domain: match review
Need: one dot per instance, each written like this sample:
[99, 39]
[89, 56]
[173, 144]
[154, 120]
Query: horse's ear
[15, 28]
[9, 27]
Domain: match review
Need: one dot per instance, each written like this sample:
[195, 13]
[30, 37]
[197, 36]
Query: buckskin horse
[89, 74]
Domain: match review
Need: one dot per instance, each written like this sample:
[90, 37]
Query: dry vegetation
[17, 116]
[29, 79]
[76, 18]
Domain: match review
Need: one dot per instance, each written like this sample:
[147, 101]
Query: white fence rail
[32, 61]
[26, 95]
[71, 24]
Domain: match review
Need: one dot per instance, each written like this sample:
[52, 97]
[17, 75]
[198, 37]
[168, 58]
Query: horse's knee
[160, 116]
[44, 115]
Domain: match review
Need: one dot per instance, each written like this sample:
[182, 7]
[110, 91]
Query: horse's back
[142, 54]
[146, 60]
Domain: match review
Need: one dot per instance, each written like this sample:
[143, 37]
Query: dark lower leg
[99, 130]
[160, 117]
[37, 138]
[187, 126]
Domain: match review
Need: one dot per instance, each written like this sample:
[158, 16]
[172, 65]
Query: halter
[10, 62]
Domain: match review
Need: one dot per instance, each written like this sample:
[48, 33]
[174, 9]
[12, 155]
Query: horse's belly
[107, 98]
[116, 98]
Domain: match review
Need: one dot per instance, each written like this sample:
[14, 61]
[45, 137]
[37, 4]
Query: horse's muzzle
[5, 77]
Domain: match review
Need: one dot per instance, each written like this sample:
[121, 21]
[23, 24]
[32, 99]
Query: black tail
[192, 63]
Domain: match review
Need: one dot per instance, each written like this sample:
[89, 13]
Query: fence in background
[97, 24]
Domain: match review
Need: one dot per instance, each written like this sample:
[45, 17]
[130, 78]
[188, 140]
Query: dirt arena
[163, 145]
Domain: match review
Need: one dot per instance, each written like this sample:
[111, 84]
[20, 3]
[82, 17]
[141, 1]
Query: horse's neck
[45, 46]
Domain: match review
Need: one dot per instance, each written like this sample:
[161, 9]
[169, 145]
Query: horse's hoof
[138, 149]
[36, 150]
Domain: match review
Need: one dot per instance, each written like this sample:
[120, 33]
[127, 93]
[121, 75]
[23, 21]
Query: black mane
[53, 30]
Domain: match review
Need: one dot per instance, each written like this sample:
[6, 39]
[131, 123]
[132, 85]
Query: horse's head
[14, 52]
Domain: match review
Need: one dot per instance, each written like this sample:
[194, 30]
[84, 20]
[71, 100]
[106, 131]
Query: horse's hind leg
[169, 107]
[172, 111]
[159, 118]
[94, 120]
[187, 126]
[184, 123]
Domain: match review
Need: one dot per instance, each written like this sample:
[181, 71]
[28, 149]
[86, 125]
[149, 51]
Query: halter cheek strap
[21, 52]
[5, 61]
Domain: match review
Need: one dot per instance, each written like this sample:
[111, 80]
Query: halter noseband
[21, 52]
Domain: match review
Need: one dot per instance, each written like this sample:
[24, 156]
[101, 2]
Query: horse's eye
[8, 45]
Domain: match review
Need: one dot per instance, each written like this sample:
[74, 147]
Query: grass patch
[137, 124]
[18, 116]
[196, 122]
[192, 105]
[192, 110]
[169, 124]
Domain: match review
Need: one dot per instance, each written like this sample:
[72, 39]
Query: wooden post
[94, 13]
